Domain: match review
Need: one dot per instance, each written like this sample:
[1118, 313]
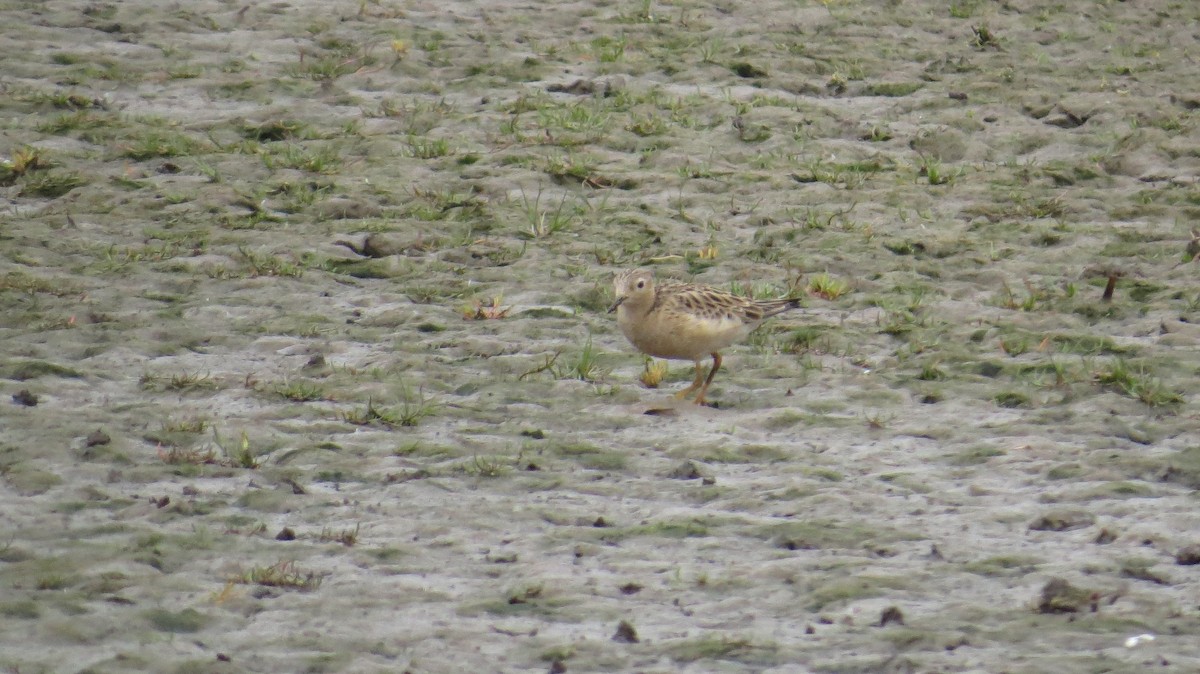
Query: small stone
[578, 88]
[1059, 596]
[97, 437]
[688, 470]
[1065, 520]
[1188, 555]
[891, 614]
[747, 70]
[285, 534]
[24, 397]
[626, 634]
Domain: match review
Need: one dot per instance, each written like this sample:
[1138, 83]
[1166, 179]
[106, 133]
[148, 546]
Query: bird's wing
[710, 303]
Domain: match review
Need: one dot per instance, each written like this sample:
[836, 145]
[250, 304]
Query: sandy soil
[306, 367]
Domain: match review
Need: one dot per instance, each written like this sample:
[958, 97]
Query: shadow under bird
[683, 321]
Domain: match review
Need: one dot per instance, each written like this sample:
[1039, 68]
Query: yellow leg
[711, 373]
[695, 383]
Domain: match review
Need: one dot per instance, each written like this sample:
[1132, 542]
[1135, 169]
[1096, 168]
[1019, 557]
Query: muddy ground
[306, 366]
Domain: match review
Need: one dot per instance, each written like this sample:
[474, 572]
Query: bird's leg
[695, 383]
[711, 373]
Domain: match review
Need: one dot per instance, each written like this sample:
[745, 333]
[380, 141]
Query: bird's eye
[641, 284]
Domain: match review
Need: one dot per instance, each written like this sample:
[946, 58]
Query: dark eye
[641, 284]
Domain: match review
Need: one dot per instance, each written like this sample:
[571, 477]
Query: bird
[684, 321]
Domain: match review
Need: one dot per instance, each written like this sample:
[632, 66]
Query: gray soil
[306, 367]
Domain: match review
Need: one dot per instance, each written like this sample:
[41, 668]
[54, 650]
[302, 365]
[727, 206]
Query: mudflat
[306, 367]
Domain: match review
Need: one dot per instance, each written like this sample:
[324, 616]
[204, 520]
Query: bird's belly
[685, 340]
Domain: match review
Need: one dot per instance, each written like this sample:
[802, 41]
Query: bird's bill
[616, 304]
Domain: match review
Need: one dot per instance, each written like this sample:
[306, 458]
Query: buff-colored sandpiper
[682, 321]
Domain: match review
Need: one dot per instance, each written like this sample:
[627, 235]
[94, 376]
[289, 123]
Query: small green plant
[210, 172]
[827, 287]
[265, 264]
[297, 196]
[757, 291]
[177, 456]
[582, 122]
[300, 391]
[749, 132]
[485, 310]
[412, 409]
[573, 168]
[66, 58]
[324, 158]
[80, 120]
[162, 143]
[608, 50]
[544, 221]
[878, 420]
[647, 125]
[984, 38]
[644, 14]
[893, 89]
[52, 582]
[187, 425]
[1014, 346]
[329, 67]
[347, 537]
[931, 169]
[653, 372]
[241, 455]
[187, 72]
[1119, 377]
[24, 160]
[1035, 298]
[931, 372]
[584, 366]
[877, 134]
[1062, 375]
[283, 575]
[422, 148]
[1012, 399]
[275, 130]
[181, 381]
[801, 339]
[486, 467]
[711, 49]
[690, 171]
[963, 9]
[50, 184]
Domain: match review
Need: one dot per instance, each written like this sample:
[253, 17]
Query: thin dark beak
[616, 304]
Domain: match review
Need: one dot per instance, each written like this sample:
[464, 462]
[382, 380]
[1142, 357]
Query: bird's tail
[773, 307]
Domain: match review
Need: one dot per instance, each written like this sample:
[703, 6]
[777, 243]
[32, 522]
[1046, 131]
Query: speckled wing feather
[771, 307]
[711, 304]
